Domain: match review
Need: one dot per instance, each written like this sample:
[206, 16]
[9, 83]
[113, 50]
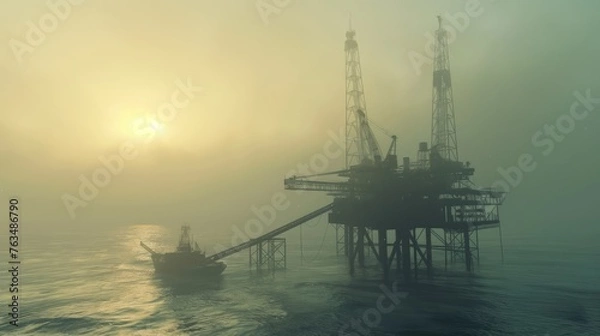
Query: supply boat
[188, 259]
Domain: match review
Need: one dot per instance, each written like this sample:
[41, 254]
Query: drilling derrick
[444, 146]
[361, 145]
[443, 126]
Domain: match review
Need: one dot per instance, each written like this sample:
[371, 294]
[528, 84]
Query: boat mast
[185, 242]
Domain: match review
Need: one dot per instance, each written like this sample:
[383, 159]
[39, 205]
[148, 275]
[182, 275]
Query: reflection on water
[106, 285]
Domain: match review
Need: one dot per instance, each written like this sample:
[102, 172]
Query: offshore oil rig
[387, 208]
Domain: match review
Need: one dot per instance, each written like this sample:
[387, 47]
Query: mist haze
[255, 92]
[272, 92]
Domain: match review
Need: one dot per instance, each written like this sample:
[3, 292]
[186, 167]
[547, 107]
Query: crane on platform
[362, 148]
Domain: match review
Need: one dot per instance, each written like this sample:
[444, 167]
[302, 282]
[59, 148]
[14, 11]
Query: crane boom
[147, 248]
[373, 152]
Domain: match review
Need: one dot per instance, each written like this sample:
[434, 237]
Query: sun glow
[158, 127]
[146, 128]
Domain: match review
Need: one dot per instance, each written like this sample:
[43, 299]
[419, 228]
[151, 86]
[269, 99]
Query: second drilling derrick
[443, 125]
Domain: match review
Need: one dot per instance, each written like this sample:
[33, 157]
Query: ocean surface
[104, 284]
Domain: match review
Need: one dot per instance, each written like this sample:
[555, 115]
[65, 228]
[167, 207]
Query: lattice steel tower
[360, 144]
[443, 125]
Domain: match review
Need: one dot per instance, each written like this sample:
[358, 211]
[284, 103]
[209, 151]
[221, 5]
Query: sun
[158, 127]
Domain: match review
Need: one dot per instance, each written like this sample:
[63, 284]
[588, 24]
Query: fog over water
[257, 96]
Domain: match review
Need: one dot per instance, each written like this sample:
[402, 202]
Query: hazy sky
[271, 95]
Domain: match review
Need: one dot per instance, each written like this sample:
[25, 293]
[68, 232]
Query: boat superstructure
[188, 258]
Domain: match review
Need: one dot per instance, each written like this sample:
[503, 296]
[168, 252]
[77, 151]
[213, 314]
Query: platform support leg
[467, 244]
[383, 253]
[350, 245]
[428, 251]
[406, 253]
[398, 246]
[361, 247]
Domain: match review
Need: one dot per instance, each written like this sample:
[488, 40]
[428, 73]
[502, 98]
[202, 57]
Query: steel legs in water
[458, 245]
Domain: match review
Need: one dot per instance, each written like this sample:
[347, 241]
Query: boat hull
[186, 264]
